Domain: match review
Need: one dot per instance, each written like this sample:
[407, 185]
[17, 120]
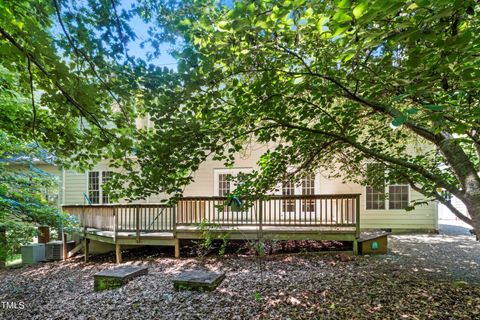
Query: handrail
[332, 210]
[313, 196]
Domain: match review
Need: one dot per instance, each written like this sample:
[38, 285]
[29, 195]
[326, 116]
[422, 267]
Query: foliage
[65, 78]
[66, 82]
[23, 190]
[206, 244]
[331, 84]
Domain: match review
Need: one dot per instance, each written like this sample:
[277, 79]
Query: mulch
[277, 286]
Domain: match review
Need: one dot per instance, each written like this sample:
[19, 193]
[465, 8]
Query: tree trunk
[473, 208]
[3, 247]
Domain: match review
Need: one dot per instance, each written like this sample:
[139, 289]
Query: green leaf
[308, 12]
[349, 56]
[359, 9]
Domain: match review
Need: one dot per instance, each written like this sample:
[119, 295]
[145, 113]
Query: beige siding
[423, 217]
[203, 178]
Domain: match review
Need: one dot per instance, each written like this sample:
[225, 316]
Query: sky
[140, 28]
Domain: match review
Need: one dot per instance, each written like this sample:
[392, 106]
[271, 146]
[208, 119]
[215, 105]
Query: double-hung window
[96, 180]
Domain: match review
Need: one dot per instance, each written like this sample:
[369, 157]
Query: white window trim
[298, 186]
[100, 184]
[232, 171]
[387, 202]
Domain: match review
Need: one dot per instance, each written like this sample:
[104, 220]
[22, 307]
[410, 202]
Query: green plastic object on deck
[87, 198]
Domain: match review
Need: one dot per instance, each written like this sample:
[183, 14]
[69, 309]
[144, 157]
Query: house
[317, 208]
[43, 167]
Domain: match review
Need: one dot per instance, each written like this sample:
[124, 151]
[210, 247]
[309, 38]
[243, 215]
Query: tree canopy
[23, 190]
[66, 79]
[333, 83]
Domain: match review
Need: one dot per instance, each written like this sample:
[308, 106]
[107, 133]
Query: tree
[66, 83]
[334, 84]
[66, 78]
[23, 187]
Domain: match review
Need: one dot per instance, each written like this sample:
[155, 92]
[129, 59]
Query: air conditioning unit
[33, 253]
[54, 249]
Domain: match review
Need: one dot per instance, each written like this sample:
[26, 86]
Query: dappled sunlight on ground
[422, 277]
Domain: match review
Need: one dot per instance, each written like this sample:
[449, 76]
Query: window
[288, 189]
[94, 186]
[376, 199]
[96, 179]
[305, 187]
[397, 196]
[308, 188]
[105, 177]
[224, 180]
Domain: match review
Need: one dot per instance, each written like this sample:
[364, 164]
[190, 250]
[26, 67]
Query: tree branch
[34, 109]
[87, 114]
[86, 57]
[441, 199]
[422, 171]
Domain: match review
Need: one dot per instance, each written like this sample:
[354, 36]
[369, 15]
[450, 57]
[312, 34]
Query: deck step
[198, 280]
[115, 278]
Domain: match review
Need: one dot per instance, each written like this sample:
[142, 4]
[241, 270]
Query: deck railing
[338, 210]
[306, 210]
[144, 218]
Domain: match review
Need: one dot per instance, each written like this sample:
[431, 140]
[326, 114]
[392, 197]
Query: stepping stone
[115, 278]
[198, 280]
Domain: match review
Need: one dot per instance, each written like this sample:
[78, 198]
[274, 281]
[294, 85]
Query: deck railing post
[137, 222]
[357, 216]
[83, 222]
[115, 224]
[174, 219]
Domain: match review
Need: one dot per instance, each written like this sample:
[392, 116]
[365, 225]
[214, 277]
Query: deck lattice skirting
[308, 217]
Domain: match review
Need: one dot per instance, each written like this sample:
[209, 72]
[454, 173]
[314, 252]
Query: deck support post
[118, 253]
[357, 224]
[86, 243]
[177, 248]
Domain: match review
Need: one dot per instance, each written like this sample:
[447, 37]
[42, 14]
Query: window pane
[223, 184]
[94, 186]
[375, 193]
[375, 198]
[288, 189]
[398, 197]
[308, 188]
[105, 177]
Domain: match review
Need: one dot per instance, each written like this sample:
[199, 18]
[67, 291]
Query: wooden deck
[312, 217]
